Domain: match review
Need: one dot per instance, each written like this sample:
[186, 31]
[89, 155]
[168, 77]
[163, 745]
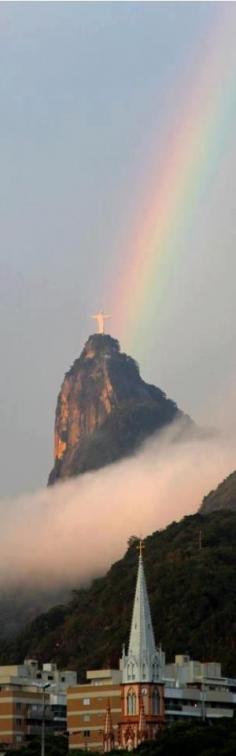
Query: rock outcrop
[104, 410]
[223, 497]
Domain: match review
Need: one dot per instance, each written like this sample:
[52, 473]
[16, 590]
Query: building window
[155, 702]
[18, 706]
[155, 669]
[86, 701]
[131, 671]
[86, 718]
[50, 677]
[86, 733]
[35, 707]
[39, 675]
[131, 703]
[18, 722]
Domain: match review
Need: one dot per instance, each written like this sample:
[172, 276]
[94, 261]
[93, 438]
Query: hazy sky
[87, 92]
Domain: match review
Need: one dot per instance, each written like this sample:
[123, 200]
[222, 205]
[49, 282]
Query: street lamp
[203, 697]
[43, 687]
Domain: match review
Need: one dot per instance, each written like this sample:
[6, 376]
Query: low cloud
[69, 533]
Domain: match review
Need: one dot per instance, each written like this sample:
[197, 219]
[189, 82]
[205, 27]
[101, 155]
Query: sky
[97, 103]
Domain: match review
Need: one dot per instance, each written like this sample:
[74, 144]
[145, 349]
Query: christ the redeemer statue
[100, 317]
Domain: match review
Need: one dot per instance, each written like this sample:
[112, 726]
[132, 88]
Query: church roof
[142, 641]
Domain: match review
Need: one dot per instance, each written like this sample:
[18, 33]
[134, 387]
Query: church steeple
[108, 734]
[141, 640]
[144, 663]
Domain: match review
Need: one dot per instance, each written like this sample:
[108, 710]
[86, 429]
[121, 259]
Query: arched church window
[155, 702]
[155, 669]
[131, 703]
[145, 699]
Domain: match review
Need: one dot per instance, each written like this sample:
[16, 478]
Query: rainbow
[200, 138]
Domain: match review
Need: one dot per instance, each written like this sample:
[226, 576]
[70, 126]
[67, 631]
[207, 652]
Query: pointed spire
[108, 722]
[142, 722]
[141, 635]
[143, 662]
[108, 734]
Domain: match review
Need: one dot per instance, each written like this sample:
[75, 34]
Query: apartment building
[27, 694]
[20, 715]
[88, 707]
[198, 690]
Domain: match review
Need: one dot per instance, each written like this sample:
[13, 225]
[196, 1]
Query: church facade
[142, 693]
[122, 708]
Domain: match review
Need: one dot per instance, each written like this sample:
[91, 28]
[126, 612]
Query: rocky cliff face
[104, 409]
[223, 497]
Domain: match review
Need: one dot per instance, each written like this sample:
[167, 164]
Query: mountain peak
[104, 409]
[99, 344]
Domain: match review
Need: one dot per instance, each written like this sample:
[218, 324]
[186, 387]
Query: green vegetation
[54, 746]
[192, 593]
[181, 739]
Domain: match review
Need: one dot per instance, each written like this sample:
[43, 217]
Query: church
[122, 708]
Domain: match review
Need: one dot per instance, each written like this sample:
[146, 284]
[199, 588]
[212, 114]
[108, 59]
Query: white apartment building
[197, 690]
[30, 673]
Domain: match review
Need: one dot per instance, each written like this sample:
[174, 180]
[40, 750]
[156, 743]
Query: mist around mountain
[191, 576]
[20, 605]
[105, 410]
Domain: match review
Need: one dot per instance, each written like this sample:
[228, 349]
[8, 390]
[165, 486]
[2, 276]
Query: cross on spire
[100, 317]
[141, 547]
[143, 661]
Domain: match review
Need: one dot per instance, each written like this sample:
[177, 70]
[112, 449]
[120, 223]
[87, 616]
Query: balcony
[35, 714]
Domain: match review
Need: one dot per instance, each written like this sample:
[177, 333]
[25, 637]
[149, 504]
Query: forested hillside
[191, 576]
